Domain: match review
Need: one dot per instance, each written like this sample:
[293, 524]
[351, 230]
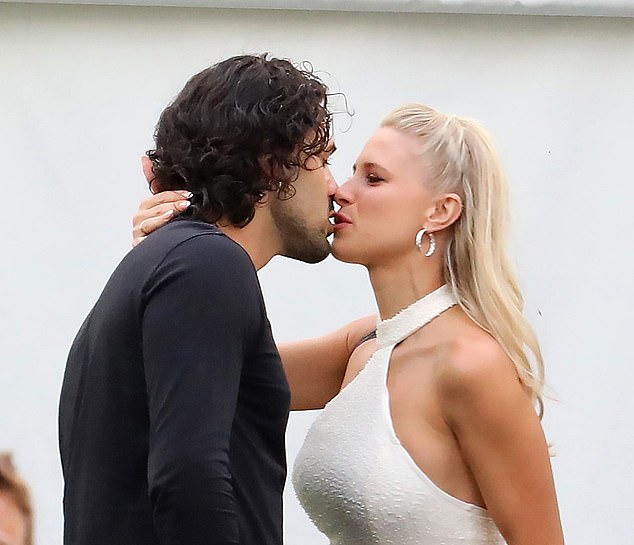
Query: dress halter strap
[393, 330]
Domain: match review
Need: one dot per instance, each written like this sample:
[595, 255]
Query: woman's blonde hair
[461, 159]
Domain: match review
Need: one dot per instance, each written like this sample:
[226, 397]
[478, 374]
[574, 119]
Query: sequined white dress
[358, 483]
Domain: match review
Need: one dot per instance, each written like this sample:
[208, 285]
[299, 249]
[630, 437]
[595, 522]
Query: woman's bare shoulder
[471, 362]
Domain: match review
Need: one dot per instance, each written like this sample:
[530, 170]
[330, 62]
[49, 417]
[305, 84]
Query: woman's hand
[157, 210]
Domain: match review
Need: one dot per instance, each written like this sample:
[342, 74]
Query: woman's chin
[346, 255]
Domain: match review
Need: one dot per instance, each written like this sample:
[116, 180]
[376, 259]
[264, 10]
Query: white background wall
[604, 8]
[82, 87]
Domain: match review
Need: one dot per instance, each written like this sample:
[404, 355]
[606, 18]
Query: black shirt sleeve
[202, 310]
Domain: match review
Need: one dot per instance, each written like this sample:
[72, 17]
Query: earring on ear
[432, 241]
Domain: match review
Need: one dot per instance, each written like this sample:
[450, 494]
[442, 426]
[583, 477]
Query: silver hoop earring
[432, 242]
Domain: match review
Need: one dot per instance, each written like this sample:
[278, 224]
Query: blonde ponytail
[461, 159]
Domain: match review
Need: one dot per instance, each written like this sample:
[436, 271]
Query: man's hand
[157, 210]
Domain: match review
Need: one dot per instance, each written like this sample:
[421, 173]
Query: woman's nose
[343, 195]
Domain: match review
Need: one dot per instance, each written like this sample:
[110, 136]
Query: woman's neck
[399, 284]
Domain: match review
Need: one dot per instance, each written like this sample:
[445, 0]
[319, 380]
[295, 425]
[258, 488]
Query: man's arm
[202, 311]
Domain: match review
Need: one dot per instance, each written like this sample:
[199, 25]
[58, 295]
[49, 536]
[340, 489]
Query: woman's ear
[446, 211]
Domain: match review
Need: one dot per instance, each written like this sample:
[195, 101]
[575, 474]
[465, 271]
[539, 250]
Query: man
[174, 402]
[16, 511]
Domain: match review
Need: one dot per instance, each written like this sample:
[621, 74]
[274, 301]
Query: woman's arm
[503, 444]
[315, 367]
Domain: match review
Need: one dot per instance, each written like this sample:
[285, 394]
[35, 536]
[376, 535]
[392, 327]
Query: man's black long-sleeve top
[174, 402]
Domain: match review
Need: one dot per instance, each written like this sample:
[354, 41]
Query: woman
[433, 437]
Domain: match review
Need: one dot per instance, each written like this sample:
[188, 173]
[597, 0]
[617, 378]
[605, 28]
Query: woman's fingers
[151, 224]
[164, 197]
[146, 226]
[158, 209]
[147, 220]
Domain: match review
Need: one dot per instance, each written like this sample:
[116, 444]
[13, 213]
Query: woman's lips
[340, 221]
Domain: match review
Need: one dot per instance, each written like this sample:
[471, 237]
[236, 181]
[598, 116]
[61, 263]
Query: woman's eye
[374, 179]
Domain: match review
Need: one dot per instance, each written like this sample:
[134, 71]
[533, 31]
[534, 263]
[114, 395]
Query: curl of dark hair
[238, 130]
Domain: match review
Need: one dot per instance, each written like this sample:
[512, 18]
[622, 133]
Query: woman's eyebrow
[369, 165]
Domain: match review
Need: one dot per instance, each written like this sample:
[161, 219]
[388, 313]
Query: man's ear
[265, 200]
[148, 172]
[445, 212]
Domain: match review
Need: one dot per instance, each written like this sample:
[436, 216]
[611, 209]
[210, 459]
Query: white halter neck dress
[358, 483]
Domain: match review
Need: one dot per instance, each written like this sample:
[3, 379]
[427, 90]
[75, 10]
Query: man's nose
[330, 182]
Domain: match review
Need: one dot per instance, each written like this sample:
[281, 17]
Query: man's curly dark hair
[237, 130]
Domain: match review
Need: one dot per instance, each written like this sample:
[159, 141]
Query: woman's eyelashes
[374, 178]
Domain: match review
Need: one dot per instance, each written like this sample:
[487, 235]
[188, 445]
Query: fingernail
[168, 214]
[182, 205]
[185, 193]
